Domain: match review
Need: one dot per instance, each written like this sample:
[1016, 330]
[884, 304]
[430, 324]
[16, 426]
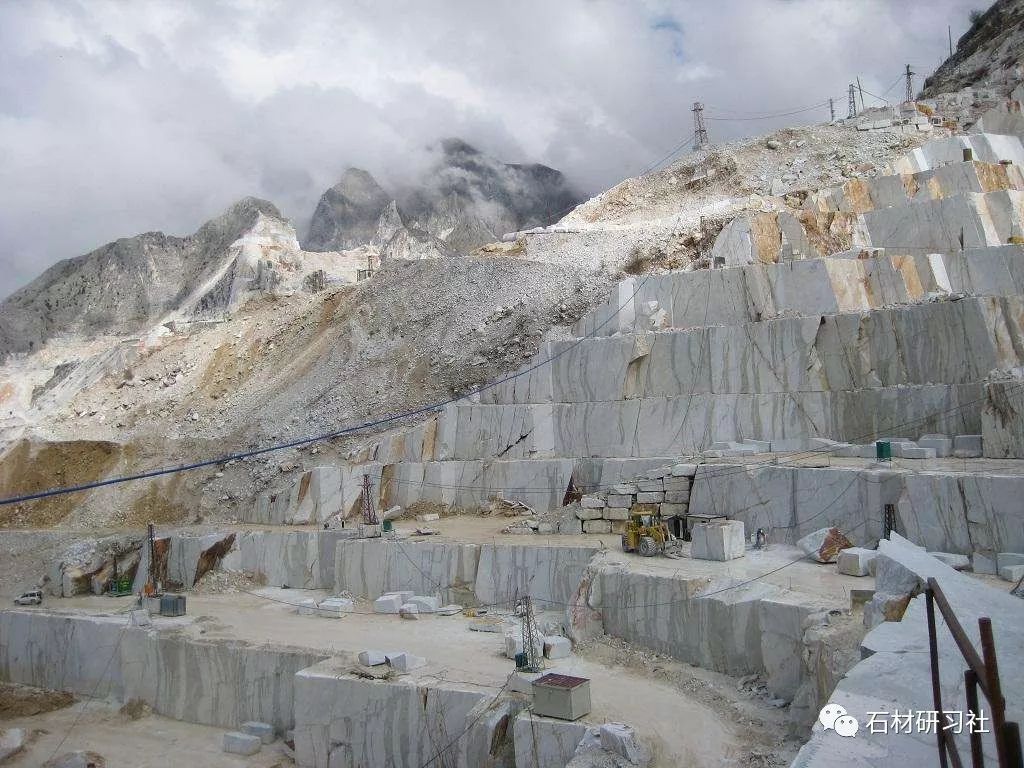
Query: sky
[125, 117]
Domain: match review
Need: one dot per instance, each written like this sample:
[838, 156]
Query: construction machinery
[646, 533]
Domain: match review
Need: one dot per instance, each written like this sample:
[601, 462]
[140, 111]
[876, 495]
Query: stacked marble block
[665, 490]
[718, 540]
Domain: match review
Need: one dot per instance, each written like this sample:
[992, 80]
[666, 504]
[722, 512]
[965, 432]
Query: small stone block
[335, 607]
[678, 484]
[615, 513]
[984, 562]
[650, 497]
[855, 561]
[626, 489]
[372, 658]
[620, 500]
[387, 604]
[943, 446]
[597, 526]
[621, 739]
[307, 607]
[684, 470]
[592, 502]
[650, 486]
[238, 743]
[674, 510]
[954, 561]
[557, 647]
[263, 731]
[918, 453]
[1012, 573]
[586, 513]
[425, 603]
[1003, 559]
[409, 611]
[967, 446]
[405, 662]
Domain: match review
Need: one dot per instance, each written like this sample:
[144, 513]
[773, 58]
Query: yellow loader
[645, 534]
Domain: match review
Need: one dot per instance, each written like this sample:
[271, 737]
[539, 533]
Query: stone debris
[855, 561]
[264, 731]
[307, 607]
[824, 544]
[238, 743]
[449, 610]
[409, 611]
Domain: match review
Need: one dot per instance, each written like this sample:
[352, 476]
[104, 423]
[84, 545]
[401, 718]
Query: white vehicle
[35, 597]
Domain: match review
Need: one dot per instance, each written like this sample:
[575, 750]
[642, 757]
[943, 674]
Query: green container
[386, 526]
[883, 450]
[521, 660]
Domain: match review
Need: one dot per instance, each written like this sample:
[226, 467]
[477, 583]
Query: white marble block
[238, 743]
[718, 541]
[387, 604]
[855, 561]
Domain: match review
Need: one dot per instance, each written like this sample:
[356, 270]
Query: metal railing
[982, 672]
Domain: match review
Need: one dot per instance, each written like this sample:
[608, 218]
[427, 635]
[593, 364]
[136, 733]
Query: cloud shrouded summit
[122, 118]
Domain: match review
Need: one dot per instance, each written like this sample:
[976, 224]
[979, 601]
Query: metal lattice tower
[534, 657]
[369, 514]
[910, 84]
[852, 110]
[700, 132]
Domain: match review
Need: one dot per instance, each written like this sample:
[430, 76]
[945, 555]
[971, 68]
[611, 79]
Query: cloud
[118, 118]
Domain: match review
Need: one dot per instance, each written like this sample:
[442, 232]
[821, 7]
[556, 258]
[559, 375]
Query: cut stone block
[625, 489]
[597, 526]
[139, 618]
[425, 603]
[855, 561]
[306, 607]
[387, 604]
[405, 662]
[592, 502]
[650, 497]
[409, 611]
[943, 446]
[674, 510]
[620, 500]
[263, 731]
[684, 470]
[621, 739]
[984, 562]
[677, 497]
[718, 540]
[918, 453]
[678, 483]
[335, 607]
[614, 513]
[513, 644]
[650, 486]
[1004, 559]
[967, 446]
[1012, 573]
[955, 561]
[372, 658]
[238, 743]
[587, 513]
[824, 544]
[557, 647]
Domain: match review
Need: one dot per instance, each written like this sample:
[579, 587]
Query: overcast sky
[123, 117]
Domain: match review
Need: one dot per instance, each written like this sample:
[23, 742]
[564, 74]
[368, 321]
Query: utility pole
[949, 31]
[910, 84]
[369, 515]
[851, 111]
[831, 110]
[861, 89]
[700, 132]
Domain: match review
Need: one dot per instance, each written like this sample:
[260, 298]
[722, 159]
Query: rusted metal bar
[995, 693]
[963, 642]
[971, 688]
[1011, 737]
[949, 749]
[933, 652]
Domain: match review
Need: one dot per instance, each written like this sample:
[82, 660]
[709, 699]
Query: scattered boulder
[263, 731]
[238, 743]
[824, 545]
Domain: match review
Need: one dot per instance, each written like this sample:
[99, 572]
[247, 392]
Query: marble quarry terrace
[827, 415]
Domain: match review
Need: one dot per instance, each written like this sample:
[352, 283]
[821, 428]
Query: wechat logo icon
[834, 717]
